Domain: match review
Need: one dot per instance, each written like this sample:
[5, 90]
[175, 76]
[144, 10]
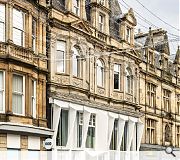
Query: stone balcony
[10, 50]
[25, 55]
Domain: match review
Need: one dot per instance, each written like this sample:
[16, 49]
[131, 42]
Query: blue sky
[167, 10]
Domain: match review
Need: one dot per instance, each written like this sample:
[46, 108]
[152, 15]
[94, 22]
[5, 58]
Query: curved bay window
[129, 81]
[76, 62]
[2, 22]
[100, 73]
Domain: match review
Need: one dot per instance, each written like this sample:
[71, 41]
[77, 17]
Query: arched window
[100, 73]
[76, 62]
[129, 81]
[167, 133]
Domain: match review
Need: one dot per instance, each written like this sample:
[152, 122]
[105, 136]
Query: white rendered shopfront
[79, 128]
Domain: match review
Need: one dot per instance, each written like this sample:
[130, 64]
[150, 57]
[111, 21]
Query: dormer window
[128, 35]
[76, 7]
[151, 59]
[101, 22]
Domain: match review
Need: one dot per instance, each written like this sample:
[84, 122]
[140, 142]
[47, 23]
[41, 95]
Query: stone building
[23, 70]
[93, 81]
[159, 91]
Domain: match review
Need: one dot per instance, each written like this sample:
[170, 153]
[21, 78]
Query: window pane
[60, 61]
[62, 135]
[90, 137]
[60, 57]
[1, 100]
[2, 13]
[116, 81]
[17, 83]
[17, 37]
[18, 19]
[17, 104]
[2, 31]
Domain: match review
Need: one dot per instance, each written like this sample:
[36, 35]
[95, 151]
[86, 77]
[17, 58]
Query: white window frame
[101, 22]
[102, 2]
[114, 136]
[92, 124]
[117, 72]
[80, 118]
[64, 56]
[21, 30]
[128, 34]
[101, 68]
[33, 99]
[34, 35]
[23, 95]
[3, 91]
[76, 7]
[3, 22]
[151, 95]
[76, 67]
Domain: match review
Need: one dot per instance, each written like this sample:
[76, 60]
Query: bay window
[79, 128]
[60, 57]
[100, 73]
[34, 25]
[18, 27]
[76, 7]
[2, 22]
[33, 99]
[114, 137]
[90, 141]
[117, 76]
[18, 94]
[62, 134]
[76, 62]
[2, 90]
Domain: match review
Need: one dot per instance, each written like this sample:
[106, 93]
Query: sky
[167, 10]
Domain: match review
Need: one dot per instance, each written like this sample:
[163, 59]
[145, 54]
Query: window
[117, 76]
[166, 100]
[165, 63]
[178, 136]
[151, 95]
[33, 99]
[151, 128]
[101, 22]
[34, 25]
[62, 134]
[18, 27]
[114, 138]
[100, 73]
[129, 81]
[18, 94]
[124, 138]
[167, 133]
[76, 7]
[2, 92]
[2, 22]
[90, 141]
[151, 59]
[178, 105]
[60, 56]
[13, 154]
[76, 62]
[80, 128]
[102, 2]
[128, 34]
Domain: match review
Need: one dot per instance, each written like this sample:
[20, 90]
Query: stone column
[44, 39]
[40, 36]
[9, 22]
[29, 31]
[83, 9]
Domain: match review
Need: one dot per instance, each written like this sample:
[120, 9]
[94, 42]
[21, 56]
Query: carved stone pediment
[82, 26]
[130, 17]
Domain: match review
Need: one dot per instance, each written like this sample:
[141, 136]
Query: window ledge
[61, 74]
